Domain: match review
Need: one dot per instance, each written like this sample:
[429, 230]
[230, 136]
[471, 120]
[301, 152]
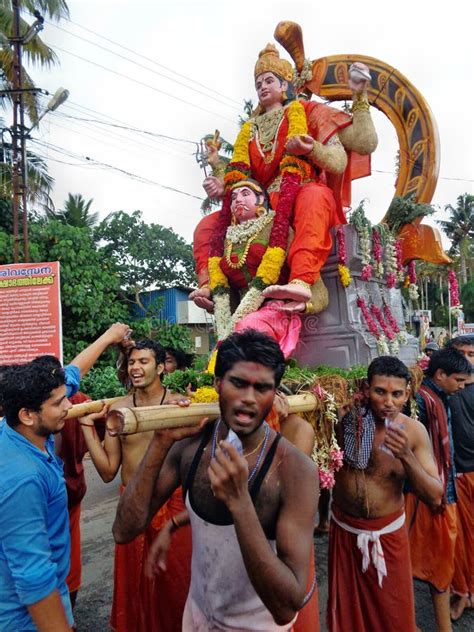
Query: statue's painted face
[270, 90]
[244, 204]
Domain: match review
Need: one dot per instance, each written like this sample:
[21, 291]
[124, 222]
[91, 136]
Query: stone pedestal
[338, 336]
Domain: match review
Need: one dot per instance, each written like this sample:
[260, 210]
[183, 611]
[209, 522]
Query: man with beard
[34, 524]
[251, 495]
[145, 366]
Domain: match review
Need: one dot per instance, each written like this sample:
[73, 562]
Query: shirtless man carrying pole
[370, 581]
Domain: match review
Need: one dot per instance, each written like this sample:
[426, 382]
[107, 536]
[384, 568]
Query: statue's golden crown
[269, 61]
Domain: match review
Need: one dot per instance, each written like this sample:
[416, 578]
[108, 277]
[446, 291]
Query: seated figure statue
[303, 153]
[237, 305]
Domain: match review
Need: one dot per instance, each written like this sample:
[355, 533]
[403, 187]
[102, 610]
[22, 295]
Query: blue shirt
[73, 379]
[34, 529]
[451, 496]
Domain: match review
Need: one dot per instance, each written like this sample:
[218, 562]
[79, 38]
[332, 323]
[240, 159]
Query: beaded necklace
[260, 454]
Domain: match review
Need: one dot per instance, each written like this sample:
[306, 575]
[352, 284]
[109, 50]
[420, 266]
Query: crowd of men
[215, 522]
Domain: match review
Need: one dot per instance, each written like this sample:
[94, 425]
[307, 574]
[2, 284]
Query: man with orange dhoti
[447, 372]
[462, 410]
[296, 150]
[133, 608]
[370, 581]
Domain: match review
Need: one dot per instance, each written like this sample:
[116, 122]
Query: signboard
[465, 328]
[30, 312]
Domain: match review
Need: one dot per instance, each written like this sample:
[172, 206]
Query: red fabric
[74, 578]
[73, 449]
[463, 580]
[437, 420]
[356, 603]
[126, 602]
[432, 542]
[164, 597]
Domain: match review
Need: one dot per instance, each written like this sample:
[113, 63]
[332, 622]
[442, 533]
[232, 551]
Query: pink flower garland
[366, 273]
[391, 319]
[344, 272]
[377, 312]
[412, 271]
[377, 251]
[391, 280]
[453, 288]
[370, 322]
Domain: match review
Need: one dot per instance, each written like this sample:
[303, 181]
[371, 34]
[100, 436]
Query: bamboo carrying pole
[86, 408]
[143, 419]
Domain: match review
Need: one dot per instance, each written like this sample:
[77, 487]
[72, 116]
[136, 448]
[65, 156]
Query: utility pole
[16, 136]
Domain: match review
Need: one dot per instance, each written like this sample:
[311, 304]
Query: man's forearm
[134, 508]
[48, 614]
[428, 488]
[275, 583]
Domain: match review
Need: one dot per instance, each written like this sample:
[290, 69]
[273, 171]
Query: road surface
[95, 597]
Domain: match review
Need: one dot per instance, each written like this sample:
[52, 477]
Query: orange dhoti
[432, 542]
[73, 580]
[127, 604]
[463, 579]
[357, 602]
[164, 597]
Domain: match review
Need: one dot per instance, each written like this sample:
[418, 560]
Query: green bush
[102, 383]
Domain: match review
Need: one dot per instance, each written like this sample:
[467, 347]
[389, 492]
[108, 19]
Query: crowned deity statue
[304, 154]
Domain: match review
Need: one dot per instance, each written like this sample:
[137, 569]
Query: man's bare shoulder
[294, 460]
[123, 402]
[415, 428]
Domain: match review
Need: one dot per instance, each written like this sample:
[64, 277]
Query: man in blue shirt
[433, 536]
[34, 526]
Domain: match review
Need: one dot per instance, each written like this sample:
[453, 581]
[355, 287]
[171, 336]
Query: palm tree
[460, 230]
[36, 51]
[76, 212]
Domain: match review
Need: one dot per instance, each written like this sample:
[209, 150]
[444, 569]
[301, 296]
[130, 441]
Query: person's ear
[160, 368]
[27, 416]
[366, 389]
[217, 384]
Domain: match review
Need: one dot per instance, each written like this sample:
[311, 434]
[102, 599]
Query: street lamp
[56, 100]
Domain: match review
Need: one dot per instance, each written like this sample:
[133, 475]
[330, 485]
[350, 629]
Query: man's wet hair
[449, 360]
[460, 341]
[388, 366]
[155, 347]
[250, 346]
[29, 386]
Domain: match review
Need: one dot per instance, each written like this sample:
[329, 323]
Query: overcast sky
[196, 59]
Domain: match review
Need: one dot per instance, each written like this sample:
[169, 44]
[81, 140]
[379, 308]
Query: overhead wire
[153, 61]
[143, 83]
[159, 74]
[105, 165]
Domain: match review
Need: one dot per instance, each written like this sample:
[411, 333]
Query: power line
[142, 83]
[153, 62]
[159, 74]
[105, 165]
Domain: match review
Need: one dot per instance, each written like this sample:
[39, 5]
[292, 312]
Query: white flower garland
[222, 315]
[249, 304]
[243, 232]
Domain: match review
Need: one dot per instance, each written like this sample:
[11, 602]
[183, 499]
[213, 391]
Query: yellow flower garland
[271, 265]
[297, 121]
[216, 276]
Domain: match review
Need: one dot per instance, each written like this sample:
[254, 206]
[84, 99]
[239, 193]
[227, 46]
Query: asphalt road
[95, 597]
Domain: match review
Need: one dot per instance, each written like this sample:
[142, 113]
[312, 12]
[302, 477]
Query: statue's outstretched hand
[202, 298]
[212, 148]
[359, 77]
[213, 187]
[299, 145]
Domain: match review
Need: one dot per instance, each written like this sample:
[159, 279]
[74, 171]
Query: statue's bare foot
[293, 307]
[290, 291]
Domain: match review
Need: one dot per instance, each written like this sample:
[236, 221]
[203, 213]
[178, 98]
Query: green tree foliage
[467, 300]
[102, 382]
[146, 255]
[76, 212]
[90, 285]
[167, 334]
[459, 228]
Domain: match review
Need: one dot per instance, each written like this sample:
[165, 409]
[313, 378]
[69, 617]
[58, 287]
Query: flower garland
[294, 171]
[327, 454]
[412, 287]
[377, 252]
[391, 261]
[381, 340]
[344, 272]
[364, 232]
[399, 258]
[453, 289]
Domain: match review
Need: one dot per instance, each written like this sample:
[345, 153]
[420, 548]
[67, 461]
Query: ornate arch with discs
[394, 95]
